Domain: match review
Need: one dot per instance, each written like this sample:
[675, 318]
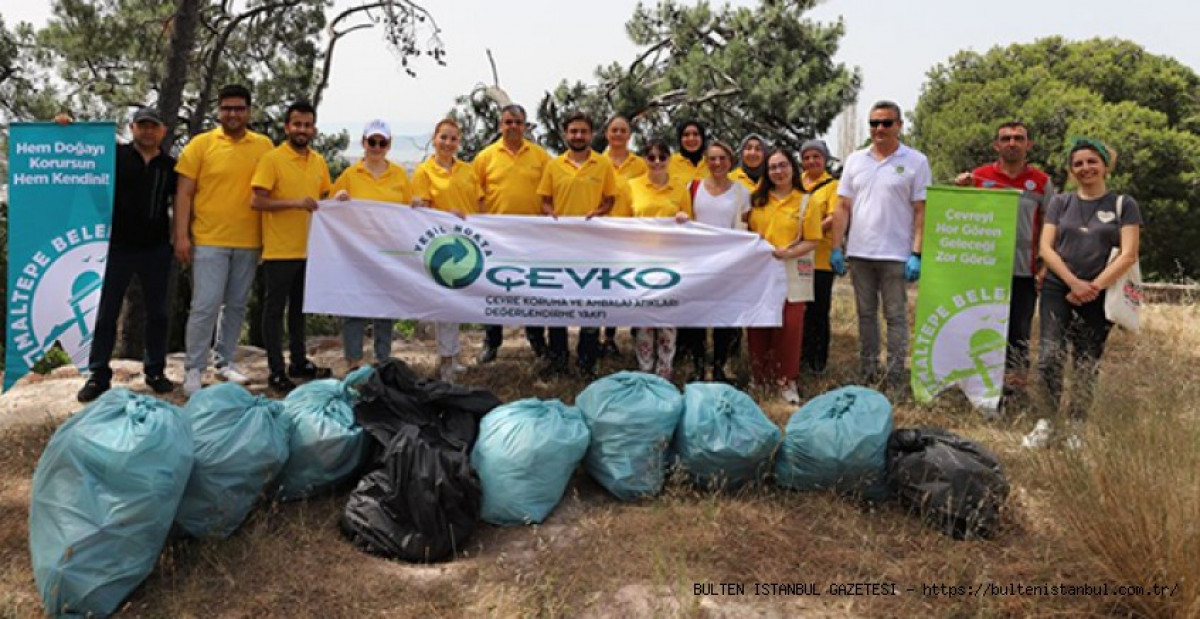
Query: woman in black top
[1081, 229]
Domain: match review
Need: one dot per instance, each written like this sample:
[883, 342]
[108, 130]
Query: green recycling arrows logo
[454, 261]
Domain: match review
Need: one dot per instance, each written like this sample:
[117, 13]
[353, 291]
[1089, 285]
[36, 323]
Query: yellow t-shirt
[509, 181]
[778, 221]
[633, 167]
[458, 188]
[824, 201]
[680, 167]
[577, 191]
[288, 175]
[650, 200]
[222, 167]
[740, 176]
[361, 184]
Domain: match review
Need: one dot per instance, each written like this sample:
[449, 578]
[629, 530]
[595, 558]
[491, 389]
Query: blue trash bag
[241, 445]
[838, 440]
[632, 417]
[524, 456]
[105, 493]
[326, 446]
[724, 440]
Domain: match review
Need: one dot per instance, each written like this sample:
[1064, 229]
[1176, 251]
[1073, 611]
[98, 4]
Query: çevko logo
[453, 256]
[976, 318]
[453, 261]
[56, 292]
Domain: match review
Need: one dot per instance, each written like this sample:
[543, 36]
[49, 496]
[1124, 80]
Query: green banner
[961, 332]
[60, 190]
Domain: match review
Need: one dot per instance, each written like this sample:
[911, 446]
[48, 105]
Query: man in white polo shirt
[882, 198]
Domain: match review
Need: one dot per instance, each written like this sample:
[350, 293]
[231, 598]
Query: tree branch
[214, 57]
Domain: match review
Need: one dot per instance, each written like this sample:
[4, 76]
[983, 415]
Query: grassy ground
[1126, 510]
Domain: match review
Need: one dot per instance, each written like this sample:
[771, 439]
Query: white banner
[378, 260]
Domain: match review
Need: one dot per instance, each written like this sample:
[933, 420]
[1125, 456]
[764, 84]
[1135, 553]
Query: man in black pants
[287, 184]
[140, 246]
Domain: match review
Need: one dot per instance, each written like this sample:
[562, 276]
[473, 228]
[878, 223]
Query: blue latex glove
[912, 269]
[837, 261]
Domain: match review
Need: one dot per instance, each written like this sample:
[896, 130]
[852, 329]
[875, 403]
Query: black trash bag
[421, 501]
[955, 485]
[395, 395]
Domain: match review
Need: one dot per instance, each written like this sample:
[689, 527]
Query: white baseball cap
[378, 127]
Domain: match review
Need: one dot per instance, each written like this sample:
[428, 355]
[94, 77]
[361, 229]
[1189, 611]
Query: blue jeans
[221, 281]
[352, 337]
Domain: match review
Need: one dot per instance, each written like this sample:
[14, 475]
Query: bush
[54, 358]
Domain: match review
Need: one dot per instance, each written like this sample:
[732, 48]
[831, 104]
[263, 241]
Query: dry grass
[1122, 512]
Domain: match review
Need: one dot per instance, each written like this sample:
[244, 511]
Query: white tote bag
[1123, 299]
[800, 270]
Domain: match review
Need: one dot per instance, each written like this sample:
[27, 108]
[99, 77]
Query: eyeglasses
[233, 108]
[378, 143]
[652, 158]
[887, 123]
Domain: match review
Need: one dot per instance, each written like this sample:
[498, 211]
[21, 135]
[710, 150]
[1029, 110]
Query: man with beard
[509, 171]
[1012, 171]
[287, 184]
[578, 183]
[140, 246]
[218, 234]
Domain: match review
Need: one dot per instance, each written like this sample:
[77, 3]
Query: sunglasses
[887, 123]
[655, 158]
[378, 142]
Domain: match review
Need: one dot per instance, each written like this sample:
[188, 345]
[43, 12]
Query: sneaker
[1039, 437]
[92, 389]
[459, 368]
[191, 382]
[487, 355]
[308, 369]
[789, 393]
[230, 373]
[160, 383]
[280, 383]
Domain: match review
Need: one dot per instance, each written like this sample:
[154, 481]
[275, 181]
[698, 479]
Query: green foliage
[1145, 106]
[54, 358]
[765, 70]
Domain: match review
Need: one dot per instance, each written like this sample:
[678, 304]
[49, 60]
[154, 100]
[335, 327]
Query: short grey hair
[888, 105]
[515, 109]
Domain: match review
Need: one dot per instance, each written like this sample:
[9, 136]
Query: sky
[537, 43]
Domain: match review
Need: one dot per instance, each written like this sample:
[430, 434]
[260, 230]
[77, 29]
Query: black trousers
[692, 342]
[1022, 303]
[814, 348]
[283, 285]
[587, 350]
[152, 266]
[494, 336]
[1078, 330]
